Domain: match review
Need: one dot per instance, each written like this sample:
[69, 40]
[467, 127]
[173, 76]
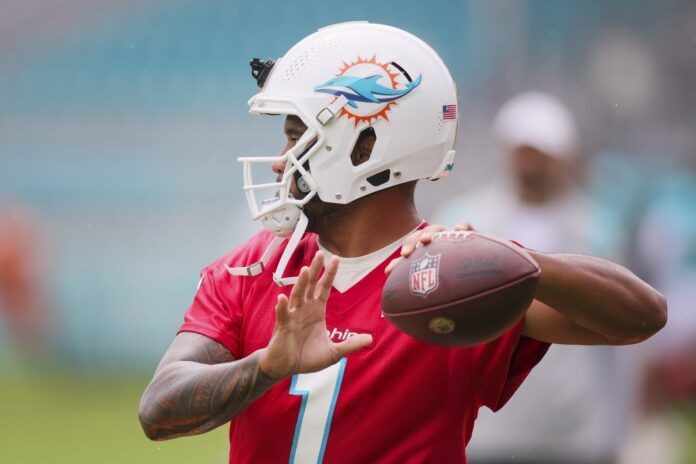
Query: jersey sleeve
[498, 368]
[213, 315]
[217, 310]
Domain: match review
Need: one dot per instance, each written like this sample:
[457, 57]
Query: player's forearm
[601, 296]
[188, 398]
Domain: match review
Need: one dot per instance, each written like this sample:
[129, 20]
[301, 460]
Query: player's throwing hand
[421, 237]
[300, 342]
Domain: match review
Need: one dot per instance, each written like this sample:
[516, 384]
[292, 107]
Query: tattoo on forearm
[194, 396]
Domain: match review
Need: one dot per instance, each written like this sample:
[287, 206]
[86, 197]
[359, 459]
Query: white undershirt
[352, 270]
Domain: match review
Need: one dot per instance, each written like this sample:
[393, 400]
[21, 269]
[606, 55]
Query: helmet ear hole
[363, 146]
[300, 181]
[379, 178]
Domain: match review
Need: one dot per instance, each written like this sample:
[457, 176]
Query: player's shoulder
[249, 252]
[252, 251]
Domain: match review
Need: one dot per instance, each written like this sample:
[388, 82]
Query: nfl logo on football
[424, 275]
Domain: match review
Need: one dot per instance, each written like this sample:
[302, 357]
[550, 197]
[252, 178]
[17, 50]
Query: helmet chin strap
[258, 267]
[290, 248]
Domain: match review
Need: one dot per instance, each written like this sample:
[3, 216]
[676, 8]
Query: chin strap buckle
[257, 268]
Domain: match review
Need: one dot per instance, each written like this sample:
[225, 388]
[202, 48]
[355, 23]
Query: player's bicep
[190, 346]
[542, 322]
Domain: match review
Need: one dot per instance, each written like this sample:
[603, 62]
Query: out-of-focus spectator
[569, 410]
[21, 298]
[534, 200]
[666, 251]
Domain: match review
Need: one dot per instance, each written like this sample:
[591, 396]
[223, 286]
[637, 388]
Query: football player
[291, 347]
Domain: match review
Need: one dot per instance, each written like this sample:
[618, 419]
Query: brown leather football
[461, 289]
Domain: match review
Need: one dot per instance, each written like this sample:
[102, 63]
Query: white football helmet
[339, 81]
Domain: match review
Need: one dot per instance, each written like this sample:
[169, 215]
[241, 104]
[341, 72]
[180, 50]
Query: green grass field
[77, 419]
[62, 418]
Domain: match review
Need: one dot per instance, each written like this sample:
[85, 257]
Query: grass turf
[77, 419]
[61, 418]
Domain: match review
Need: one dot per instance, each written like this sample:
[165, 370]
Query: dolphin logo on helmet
[364, 89]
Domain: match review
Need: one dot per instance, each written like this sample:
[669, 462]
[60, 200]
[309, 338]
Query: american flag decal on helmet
[449, 112]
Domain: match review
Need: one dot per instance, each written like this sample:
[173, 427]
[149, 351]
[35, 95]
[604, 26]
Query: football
[461, 289]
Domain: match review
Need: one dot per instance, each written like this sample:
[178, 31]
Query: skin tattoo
[199, 387]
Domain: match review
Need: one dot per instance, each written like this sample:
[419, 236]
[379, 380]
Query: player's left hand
[423, 236]
[300, 342]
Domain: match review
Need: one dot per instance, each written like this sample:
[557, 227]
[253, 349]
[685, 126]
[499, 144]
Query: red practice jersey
[398, 401]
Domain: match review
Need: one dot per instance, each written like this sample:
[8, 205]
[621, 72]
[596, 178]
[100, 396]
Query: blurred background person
[666, 253]
[570, 411]
[535, 198]
[25, 320]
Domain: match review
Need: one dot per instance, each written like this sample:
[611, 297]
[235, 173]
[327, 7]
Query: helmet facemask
[277, 208]
[280, 212]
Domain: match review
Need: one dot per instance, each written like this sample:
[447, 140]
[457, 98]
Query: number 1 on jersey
[319, 391]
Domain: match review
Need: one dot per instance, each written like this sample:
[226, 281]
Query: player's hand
[421, 237]
[300, 342]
